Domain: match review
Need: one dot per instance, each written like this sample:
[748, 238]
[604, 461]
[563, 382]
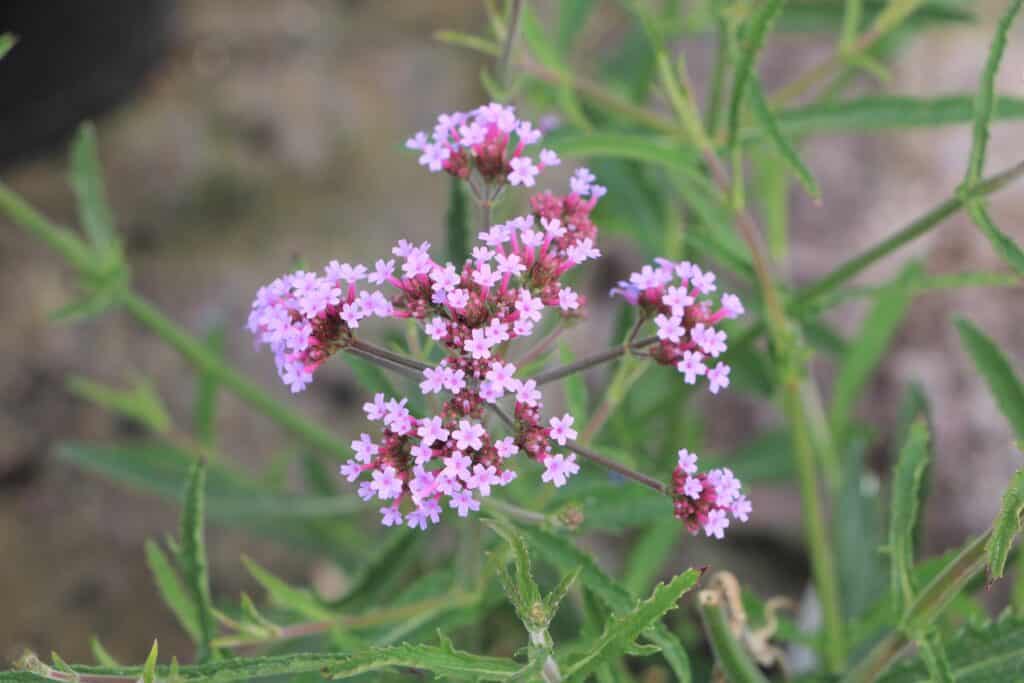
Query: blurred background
[238, 136]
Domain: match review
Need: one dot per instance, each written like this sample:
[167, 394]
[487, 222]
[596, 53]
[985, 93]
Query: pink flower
[741, 508]
[390, 515]
[583, 251]
[468, 435]
[434, 380]
[365, 448]
[581, 180]
[732, 306]
[558, 468]
[502, 376]
[718, 377]
[568, 300]
[561, 429]
[456, 466]
[432, 430]
[478, 345]
[484, 477]
[691, 366]
[437, 329]
[375, 411]
[463, 501]
[386, 483]
[506, 447]
[529, 306]
[717, 523]
[527, 392]
[693, 487]
[524, 172]
[669, 328]
[549, 158]
[687, 461]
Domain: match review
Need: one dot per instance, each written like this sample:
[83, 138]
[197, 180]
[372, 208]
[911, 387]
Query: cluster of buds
[705, 500]
[305, 318]
[419, 466]
[675, 295]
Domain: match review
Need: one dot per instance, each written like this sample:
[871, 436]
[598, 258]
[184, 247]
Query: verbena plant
[455, 373]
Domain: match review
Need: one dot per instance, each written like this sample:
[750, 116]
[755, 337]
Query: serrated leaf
[785, 147]
[141, 402]
[553, 599]
[1009, 250]
[172, 590]
[560, 553]
[93, 208]
[906, 502]
[984, 103]
[193, 558]
[991, 654]
[623, 629]
[753, 39]
[1003, 382]
[302, 601]
[526, 594]
[442, 661]
[858, 364]
[1006, 526]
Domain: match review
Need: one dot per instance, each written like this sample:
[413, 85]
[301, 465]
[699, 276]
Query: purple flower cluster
[705, 500]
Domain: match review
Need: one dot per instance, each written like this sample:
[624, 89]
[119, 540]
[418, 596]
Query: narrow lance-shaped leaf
[87, 182]
[525, 590]
[984, 103]
[172, 590]
[299, 600]
[906, 491]
[1003, 243]
[193, 558]
[140, 403]
[204, 411]
[753, 40]
[100, 654]
[1003, 382]
[149, 669]
[785, 147]
[1006, 526]
[620, 632]
[861, 360]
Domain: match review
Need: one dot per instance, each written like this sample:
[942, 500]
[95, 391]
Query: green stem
[591, 361]
[928, 605]
[911, 232]
[729, 652]
[510, 38]
[61, 240]
[203, 359]
[822, 562]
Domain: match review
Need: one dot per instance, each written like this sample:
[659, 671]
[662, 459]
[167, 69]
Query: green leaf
[649, 553]
[149, 669]
[1003, 382]
[933, 652]
[523, 593]
[858, 364]
[572, 17]
[553, 599]
[786, 149]
[193, 558]
[993, 653]
[906, 501]
[984, 103]
[1003, 243]
[575, 388]
[444, 661]
[886, 112]
[560, 553]
[754, 35]
[299, 600]
[457, 221]
[140, 403]
[87, 182]
[857, 519]
[1006, 526]
[730, 655]
[653, 149]
[100, 654]
[623, 628]
[7, 41]
[172, 590]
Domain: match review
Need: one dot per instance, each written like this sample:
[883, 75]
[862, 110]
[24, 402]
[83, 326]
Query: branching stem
[591, 361]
